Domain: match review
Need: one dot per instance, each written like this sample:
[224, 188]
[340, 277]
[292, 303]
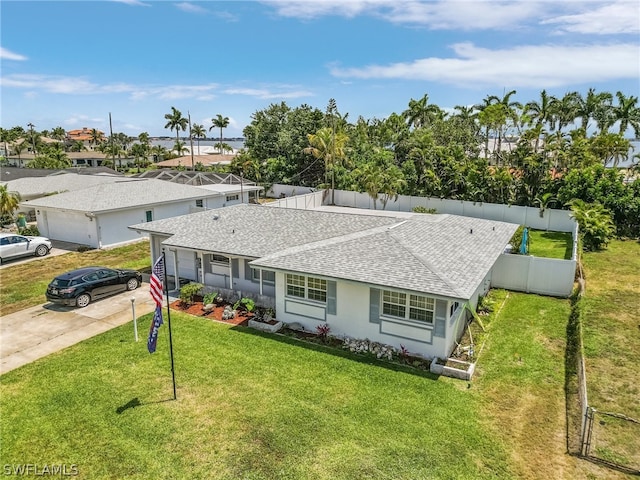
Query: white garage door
[72, 227]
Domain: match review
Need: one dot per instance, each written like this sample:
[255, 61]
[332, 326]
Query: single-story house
[400, 280]
[232, 188]
[98, 215]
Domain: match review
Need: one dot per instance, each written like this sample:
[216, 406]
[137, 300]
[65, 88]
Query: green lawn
[24, 285]
[257, 406]
[550, 244]
[249, 406]
[612, 345]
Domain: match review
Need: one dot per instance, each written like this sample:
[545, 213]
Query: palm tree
[175, 121]
[509, 110]
[330, 147]
[198, 132]
[33, 141]
[611, 147]
[627, 113]
[158, 152]
[97, 137]
[564, 110]
[9, 202]
[420, 113]
[587, 108]
[540, 112]
[219, 122]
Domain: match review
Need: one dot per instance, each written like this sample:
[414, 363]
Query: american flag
[157, 277]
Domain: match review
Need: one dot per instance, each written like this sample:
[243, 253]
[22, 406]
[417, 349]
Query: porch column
[260, 270]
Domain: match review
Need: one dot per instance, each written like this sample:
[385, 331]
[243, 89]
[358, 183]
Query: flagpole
[173, 372]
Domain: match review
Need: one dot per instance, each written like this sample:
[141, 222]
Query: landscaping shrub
[31, 230]
[189, 291]
[245, 304]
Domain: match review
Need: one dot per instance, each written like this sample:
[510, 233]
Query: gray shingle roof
[435, 254]
[40, 186]
[257, 230]
[121, 195]
[427, 253]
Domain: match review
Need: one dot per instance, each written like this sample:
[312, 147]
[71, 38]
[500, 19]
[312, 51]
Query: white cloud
[133, 3]
[464, 14]
[620, 17]
[9, 55]
[264, 94]
[191, 8]
[536, 66]
[586, 17]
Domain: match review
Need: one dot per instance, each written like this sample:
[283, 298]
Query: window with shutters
[408, 307]
[309, 288]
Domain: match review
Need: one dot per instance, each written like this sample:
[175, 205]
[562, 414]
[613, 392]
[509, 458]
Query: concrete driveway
[58, 247]
[36, 332]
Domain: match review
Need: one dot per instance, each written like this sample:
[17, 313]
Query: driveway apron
[36, 332]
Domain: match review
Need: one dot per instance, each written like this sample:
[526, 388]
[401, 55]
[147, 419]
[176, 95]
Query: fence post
[587, 431]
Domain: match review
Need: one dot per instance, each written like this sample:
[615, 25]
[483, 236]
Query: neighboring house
[83, 135]
[85, 158]
[31, 188]
[232, 188]
[402, 279]
[98, 215]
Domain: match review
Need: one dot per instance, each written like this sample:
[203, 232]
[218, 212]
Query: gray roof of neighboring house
[426, 253]
[124, 194]
[13, 173]
[41, 186]
[444, 255]
[257, 230]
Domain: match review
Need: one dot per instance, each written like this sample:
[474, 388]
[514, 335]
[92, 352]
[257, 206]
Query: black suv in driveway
[80, 287]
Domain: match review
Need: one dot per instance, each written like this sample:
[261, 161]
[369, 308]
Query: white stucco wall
[68, 226]
[352, 320]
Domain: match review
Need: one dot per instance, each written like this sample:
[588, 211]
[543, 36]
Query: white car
[12, 246]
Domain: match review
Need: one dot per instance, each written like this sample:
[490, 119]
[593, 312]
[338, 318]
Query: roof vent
[216, 216]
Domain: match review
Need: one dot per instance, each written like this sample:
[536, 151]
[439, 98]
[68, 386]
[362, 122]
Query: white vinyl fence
[545, 276]
[552, 219]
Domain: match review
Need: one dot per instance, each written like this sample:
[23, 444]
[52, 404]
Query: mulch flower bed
[197, 309]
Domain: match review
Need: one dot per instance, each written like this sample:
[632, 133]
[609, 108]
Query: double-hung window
[309, 288]
[408, 306]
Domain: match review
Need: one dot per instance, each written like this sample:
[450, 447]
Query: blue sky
[72, 63]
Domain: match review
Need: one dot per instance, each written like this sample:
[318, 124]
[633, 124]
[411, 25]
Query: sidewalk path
[36, 332]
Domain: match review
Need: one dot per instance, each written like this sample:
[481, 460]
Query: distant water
[238, 144]
[168, 144]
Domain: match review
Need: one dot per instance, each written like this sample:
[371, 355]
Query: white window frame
[232, 198]
[312, 289]
[408, 306]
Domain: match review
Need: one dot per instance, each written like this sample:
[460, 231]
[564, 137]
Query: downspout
[98, 231]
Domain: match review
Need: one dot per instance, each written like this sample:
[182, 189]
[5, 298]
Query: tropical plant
[544, 201]
[175, 121]
[595, 224]
[219, 122]
[329, 146]
[189, 291]
[9, 201]
[627, 113]
[245, 303]
[323, 331]
[198, 132]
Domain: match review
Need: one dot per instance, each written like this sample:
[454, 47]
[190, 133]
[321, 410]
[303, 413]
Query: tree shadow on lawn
[338, 352]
